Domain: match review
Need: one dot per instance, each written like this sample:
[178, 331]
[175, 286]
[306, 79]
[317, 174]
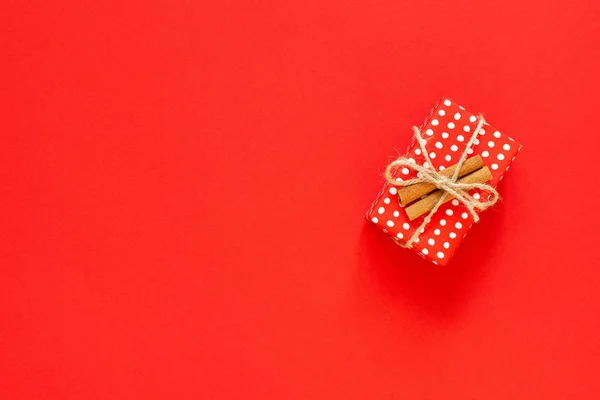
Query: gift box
[445, 133]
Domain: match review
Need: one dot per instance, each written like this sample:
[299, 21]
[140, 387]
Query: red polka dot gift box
[449, 136]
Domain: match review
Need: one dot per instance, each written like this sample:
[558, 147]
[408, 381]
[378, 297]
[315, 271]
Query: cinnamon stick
[408, 194]
[426, 204]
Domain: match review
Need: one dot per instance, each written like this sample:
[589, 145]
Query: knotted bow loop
[427, 174]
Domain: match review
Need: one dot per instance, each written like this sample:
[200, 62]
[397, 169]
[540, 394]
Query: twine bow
[449, 186]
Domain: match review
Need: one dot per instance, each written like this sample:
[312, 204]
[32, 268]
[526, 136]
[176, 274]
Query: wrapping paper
[446, 130]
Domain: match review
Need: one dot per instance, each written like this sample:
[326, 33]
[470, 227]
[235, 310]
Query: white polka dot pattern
[445, 144]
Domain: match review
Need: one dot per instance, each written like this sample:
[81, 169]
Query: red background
[183, 184]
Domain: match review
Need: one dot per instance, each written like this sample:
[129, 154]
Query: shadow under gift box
[446, 131]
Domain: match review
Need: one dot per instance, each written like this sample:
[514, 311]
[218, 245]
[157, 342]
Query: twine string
[449, 186]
